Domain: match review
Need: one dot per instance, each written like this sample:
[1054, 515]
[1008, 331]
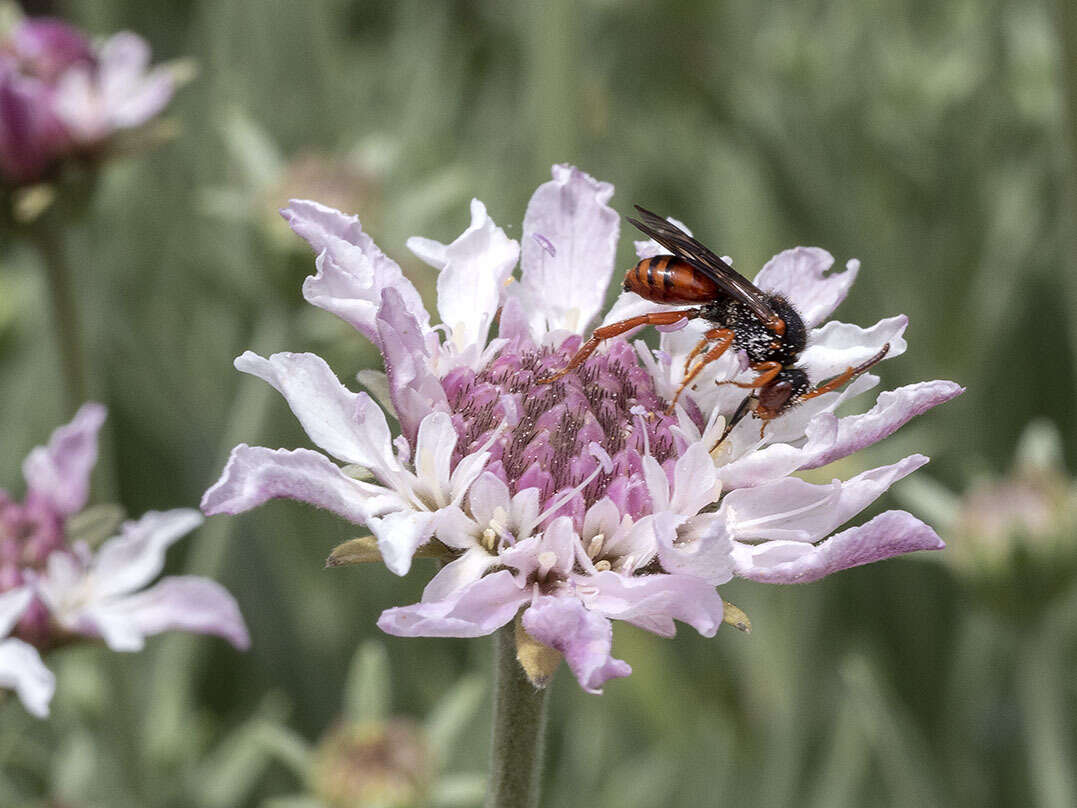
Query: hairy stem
[519, 725]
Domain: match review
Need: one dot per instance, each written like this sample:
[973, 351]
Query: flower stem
[48, 237]
[519, 725]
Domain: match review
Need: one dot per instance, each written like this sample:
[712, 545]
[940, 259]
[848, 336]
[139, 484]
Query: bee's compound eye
[775, 395]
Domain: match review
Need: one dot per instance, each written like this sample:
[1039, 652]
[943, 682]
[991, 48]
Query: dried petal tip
[540, 662]
[735, 617]
[362, 550]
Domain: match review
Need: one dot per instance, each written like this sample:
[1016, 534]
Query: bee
[762, 324]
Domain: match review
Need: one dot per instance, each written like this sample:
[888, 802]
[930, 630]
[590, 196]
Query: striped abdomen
[666, 279]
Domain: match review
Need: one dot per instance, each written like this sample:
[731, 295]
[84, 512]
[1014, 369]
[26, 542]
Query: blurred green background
[934, 141]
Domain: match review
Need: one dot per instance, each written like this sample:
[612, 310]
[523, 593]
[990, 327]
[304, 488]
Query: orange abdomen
[666, 279]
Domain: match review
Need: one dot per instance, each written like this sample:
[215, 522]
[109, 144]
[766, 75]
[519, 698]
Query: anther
[595, 545]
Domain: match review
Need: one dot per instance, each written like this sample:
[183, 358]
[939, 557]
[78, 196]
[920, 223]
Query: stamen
[595, 545]
[489, 539]
[603, 566]
[547, 560]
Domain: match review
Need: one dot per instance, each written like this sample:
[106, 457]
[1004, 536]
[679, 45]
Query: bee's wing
[688, 249]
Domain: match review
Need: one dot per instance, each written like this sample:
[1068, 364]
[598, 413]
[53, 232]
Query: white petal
[565, 290]
[349, 426]
[838, 346]
[400, 534]
[255, 475]
[695, 481]
[433, 454]
[474, 269]
[133, 559]
[12, 604]
[798, 275]
[701, 547]
[21, 669]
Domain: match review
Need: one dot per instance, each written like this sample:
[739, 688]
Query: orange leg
[767, 372]
[725, 339]
[615, 329]
[708, 337]
[846, 376]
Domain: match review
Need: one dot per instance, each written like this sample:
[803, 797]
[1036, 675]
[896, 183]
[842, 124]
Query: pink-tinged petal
[653, 602]
[473, 272]
[413, 386]
[350, 426]
[352, 271]
[584, 638]
[22, 670]
[60, 472]
[893, 409]
[830, 438]
[800, 276]
[887, 535]
[838, 346]
[12, 604]
[795, 510]
[134, 558]
[400, 534]
[477, 610]
[566, 289]
[51, 45]
[701, 548]
[254, 475]
[179, 603]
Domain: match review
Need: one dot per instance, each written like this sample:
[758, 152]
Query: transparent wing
[688, 249]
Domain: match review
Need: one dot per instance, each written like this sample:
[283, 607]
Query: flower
[580, 501]
[54, 589]
[62, 96]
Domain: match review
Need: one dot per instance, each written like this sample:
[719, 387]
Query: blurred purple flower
[61, 95]
[580, 501]
[54, 588]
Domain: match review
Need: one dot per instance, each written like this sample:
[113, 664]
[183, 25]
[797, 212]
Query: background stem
[48, 238]
[519, 726]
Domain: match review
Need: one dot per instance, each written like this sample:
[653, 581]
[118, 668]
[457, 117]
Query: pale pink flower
[62, 95]
[54, 589]
[580, 501]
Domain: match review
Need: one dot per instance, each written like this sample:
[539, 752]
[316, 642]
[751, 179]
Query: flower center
[610, 401]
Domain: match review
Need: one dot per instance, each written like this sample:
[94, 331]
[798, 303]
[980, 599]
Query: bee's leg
[724, 339]
[615, 329]
[708, 337]
[767, 372]
[846, 376]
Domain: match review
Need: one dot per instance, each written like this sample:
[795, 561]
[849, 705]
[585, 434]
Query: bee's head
[781, 393]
